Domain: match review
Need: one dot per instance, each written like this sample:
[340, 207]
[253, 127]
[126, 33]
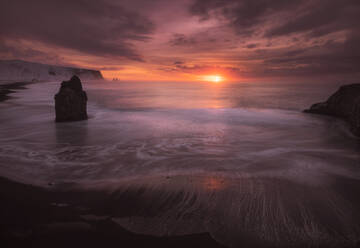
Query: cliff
[344, 103]
[18, 70]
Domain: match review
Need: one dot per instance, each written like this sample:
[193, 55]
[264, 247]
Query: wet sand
[182, 211]
[243, 211]
[34, 217]
[163, 193]
[8, 88]
[37, 217]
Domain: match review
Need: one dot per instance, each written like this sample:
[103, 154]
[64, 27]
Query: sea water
[241, 151]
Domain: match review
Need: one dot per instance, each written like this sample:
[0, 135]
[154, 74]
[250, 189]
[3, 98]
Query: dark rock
[70, 101]
[344, 103]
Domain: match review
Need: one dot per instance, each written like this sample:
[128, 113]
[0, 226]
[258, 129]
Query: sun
[217, 79]
[213, 78]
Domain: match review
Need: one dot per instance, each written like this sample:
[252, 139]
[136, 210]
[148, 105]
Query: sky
[188, 40]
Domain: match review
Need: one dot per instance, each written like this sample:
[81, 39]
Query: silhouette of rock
[344, 103]
[70, 101]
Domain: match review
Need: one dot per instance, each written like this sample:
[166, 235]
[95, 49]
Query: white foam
[116, 143]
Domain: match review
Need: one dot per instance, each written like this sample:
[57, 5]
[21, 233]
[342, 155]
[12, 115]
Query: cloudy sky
[181, 40]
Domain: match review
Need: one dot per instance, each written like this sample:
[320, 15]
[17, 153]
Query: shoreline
[248, 210]
[39, 217]
[9, 88]
[173, 211]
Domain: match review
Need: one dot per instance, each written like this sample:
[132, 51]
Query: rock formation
[344, 103]
[70, 101]
[24, 71]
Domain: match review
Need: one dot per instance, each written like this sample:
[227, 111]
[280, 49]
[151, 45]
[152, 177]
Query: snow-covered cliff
[18, 70]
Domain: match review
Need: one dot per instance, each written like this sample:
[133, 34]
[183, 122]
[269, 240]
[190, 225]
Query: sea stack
[70, 101]
[345, 104]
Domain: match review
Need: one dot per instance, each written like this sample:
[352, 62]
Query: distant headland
[19, 70]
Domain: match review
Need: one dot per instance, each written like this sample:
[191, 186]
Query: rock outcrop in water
[344, 103]
[70, 101]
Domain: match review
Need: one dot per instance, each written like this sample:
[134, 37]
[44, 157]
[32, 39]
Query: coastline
[36, 216]
[142, 214]
[7, 88]
[253, 209]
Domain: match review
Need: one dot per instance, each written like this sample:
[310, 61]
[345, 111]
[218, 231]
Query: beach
[178, 165]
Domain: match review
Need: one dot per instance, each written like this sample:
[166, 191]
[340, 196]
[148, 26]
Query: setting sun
[214, 78]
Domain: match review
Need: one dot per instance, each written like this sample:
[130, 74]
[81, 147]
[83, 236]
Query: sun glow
[213, 78]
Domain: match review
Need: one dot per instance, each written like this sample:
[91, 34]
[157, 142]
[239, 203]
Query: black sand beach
[180, 124]
[175, 177]
[35, 217]
[8, 88]
[70, 216]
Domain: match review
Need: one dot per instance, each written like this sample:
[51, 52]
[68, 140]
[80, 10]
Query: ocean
[238, 160]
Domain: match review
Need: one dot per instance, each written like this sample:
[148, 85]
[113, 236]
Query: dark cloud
[198, 39]
[282, 17]
[100, 28]
[252, 45]
[178, 62]
[320, 18]
[115, 68]
[27, 53]
[206, 40]
[191, 68]
[305, 37]
[329, 58]
[245, 37]
[182, 40]
[243, 15]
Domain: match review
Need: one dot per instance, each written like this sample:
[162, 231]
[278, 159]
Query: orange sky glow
[187, 40]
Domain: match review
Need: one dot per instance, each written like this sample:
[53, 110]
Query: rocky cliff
[344, 103]
[18, 70]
